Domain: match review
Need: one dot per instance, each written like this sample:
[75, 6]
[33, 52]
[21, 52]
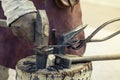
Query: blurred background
[96, 12]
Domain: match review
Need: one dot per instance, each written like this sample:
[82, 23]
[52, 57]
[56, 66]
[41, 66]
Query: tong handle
[89, 38]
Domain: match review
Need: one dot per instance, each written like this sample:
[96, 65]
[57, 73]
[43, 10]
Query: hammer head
[64, 60]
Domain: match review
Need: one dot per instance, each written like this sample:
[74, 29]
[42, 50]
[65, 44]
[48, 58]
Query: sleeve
[13, 9]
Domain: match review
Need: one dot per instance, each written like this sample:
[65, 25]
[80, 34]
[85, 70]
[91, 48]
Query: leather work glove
[20, 18]
[24, 27]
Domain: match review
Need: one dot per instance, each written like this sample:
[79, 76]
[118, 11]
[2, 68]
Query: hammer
[67, 60]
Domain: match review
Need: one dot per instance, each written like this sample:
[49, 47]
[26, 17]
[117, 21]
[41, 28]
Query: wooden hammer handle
[96, 58]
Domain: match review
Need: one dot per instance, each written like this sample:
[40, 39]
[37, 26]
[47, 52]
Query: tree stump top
[26, 70]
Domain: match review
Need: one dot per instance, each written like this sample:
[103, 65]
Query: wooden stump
[26, 70]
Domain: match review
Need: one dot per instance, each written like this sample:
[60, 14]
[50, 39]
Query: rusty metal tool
[59, 48]
[66, 60]
[89, 38]
[41, 39]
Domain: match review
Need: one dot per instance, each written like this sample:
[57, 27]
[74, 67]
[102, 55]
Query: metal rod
[100, 27]
[106, 38]
[96, 58]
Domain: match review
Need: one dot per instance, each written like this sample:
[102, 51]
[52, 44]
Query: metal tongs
[89, 38]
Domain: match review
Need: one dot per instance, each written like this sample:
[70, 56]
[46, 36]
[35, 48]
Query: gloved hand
[23, 27]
